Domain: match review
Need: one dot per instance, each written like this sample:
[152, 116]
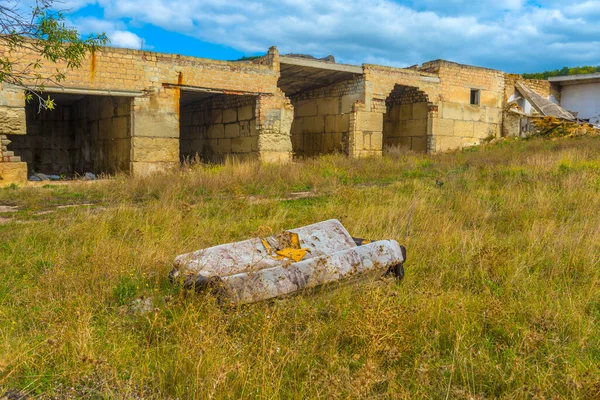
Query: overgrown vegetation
[501, 297]
[564, 71]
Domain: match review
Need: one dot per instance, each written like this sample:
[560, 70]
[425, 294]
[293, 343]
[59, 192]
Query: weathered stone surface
[12, 121]
[157, 150]
[12, 172]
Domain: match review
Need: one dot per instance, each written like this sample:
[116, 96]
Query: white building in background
[580, 94]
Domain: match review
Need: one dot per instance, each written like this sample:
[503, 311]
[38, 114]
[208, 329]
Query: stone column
[366, 131]
[12, 122]
[155, 131]
[275, 115]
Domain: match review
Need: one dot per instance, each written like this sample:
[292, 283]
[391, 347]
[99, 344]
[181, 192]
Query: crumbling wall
[405, 121]
[322, 118]
[460, 123]
[541, 87]
[219, 126]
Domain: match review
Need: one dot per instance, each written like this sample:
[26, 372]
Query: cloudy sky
[512, 35]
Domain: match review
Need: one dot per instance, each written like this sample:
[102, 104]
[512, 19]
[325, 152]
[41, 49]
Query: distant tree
[564, 71]
[40, 29]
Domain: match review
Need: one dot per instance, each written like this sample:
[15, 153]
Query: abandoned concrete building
[138, 111]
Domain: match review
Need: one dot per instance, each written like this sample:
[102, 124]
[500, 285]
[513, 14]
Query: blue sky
[511, 35]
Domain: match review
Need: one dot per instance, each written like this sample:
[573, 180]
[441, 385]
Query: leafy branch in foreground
[31, 35]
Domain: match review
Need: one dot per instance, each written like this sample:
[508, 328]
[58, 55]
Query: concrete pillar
[275, 115]
[155, 131]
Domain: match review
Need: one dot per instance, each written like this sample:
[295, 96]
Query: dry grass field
[501, 297]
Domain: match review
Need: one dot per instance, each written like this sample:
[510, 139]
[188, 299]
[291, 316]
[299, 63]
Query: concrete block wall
[220, 126]
[322, 118]
[89, 134]
[102, 134]
[405, 120]
[458, 123]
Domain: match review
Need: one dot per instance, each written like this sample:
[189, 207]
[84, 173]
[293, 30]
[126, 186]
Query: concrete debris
[259, 269]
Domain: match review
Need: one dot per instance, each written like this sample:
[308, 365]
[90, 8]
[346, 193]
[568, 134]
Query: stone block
[420, 110]
[491, 99]
[297, 126]
[92, 109]
[232, 130]
[305, 108]
[419, 144]
[123, 107]
[473, 113]
[451, 110]
[13, 172]
[458, 95]
[157, 124]
[230, 115]
[242, 145]
[369, 121]
[463, 128]
[223, 146]
[444, 143]
[493, 115]
[405, 111]
[376, 141]
[106, 108]
[151, 149]
[314, 124]
[482, 130]
[198, 117]
[278, 143]
[443, 127]
[246, 113]
[358, 141]
[343, 123]
[331, 123]
[328, 106]
[216, 116]
[12, 121]
[416, 127]
[349, 99]
[216, 131]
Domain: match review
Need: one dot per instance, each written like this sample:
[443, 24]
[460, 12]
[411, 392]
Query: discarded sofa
[259, 269]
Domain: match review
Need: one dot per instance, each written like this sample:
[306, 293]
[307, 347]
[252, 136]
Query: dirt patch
[8, 209]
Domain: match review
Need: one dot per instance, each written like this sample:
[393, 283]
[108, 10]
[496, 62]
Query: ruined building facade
[137, 111]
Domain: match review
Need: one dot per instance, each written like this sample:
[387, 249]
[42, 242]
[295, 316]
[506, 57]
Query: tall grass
[501, 297]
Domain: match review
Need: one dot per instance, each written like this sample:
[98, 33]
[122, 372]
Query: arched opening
[405, 120]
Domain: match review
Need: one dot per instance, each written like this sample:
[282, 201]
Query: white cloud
[513, 35]
[115, 31]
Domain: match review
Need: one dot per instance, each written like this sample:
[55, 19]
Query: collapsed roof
[545, 107]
